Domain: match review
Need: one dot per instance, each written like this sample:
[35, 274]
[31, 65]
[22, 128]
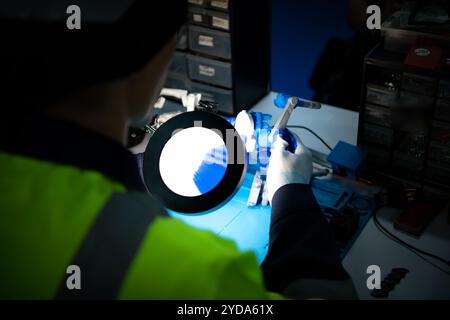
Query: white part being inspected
[189, 100]
[175, 93]
[160, 103]
[246, 129]
[192, 100]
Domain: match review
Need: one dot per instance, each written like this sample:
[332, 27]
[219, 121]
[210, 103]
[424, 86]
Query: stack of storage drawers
[223, 53]
[405, 119]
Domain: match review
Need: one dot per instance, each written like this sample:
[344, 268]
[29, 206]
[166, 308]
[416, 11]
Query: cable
[377, 222]
[415, 250]
[417, 254]
[313, 133]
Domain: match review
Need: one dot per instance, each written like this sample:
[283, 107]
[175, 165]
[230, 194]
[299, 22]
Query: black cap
[42, 55]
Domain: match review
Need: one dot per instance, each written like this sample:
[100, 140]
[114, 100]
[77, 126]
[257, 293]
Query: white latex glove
[286, 167]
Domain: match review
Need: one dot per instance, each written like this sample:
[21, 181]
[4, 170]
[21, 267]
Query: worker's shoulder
[61, 177]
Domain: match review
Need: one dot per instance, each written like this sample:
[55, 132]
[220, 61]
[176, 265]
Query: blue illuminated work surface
[249, 227]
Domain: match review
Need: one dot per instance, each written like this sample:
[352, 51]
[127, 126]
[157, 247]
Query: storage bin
[210, 71]
[210, 42]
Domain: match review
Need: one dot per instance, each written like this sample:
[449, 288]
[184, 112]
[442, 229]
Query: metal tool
[289, 103]
[255, 190]
[284, 118]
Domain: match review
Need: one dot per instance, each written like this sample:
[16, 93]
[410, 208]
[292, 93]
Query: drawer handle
[197, 18]
[221, 23]
[223, 4]
[206, 71]
[206, 41]
[197, 2]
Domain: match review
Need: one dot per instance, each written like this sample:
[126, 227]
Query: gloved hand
[286, 167]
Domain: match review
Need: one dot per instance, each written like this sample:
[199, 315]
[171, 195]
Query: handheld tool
[289, 104]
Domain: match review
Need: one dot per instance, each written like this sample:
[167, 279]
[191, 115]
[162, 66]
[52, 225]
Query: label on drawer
[223, 4]
[197, 2]
[206, 71]
[197, 17]
[206, 41]
[221, 23]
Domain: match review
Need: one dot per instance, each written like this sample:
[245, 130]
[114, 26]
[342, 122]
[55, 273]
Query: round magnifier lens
[193, 161]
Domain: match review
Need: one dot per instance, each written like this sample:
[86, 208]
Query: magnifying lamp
[194, 162]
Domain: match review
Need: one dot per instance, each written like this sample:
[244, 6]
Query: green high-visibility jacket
[48, 209]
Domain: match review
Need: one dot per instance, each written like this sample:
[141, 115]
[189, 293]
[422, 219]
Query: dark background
[300, 32]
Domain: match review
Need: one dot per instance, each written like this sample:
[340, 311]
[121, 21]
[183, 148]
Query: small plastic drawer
[219, 20]
[378, 115]
[411, 144]
[381, 96]
[438, 173]
[199, 16]
[223, 97]
[413, 122]
[178, 64]
[378, 135]
[419, 84]
[415, 101]
[442, 111]
[408, 165]
[439, 153]
[208, 18]
[440, 132]
[210, 71]
[211, 42]
[444, 89]
[377, 156]
[219, 4]
[177, 81]
[182, 38]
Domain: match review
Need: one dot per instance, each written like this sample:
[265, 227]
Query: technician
[70, 192]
